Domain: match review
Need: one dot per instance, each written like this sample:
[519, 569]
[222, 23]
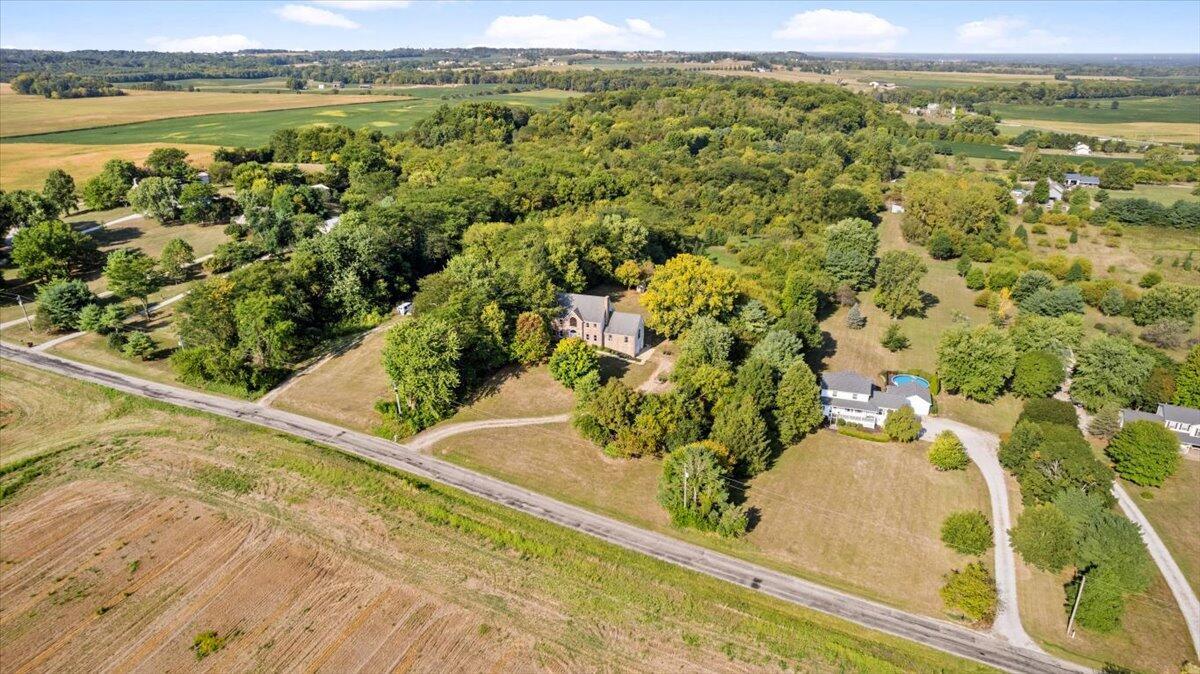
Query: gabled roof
[909, 389]
[593, 308]
[1176, 413]
[850, 382]
[888, 401]
[1079, 177]
[1128, 415]
[622, 323]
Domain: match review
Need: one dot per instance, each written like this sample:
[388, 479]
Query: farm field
[827, 483]
[255, 128]
[1168, 109]
[1163, 194]
[25, 165]
[134, 529]
[1152, 638]
[24, 115]
[1171, 509]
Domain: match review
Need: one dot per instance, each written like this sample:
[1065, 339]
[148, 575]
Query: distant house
[1184, 422]
[1081, 149]
[591, 318]
[854, 399]
[1056, 191]
[1080, 180]
[404, 309]
[203, 177]
[1019, 196]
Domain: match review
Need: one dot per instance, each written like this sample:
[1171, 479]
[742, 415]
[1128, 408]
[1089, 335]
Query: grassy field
[255, 128]
[25, 115]
[1172, 510]
[884, 501]
[25, 165]
[1163, 194]
[1170, 109]
[133, 528]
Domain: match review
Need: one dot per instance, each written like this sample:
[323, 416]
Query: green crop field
[255, 128]
[1170, 109]
[1000, 153]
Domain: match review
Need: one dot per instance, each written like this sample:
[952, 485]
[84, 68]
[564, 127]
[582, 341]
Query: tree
[1167, 300]
[1108, 370]
[102, 320]
[109, 188]
[23, 208]
[628, 274]
[139, 345]
[156, 197]
[169, 162]
[1030, 282]
[1045, 537]
[779, 349]
[1106, 422]
[692, 489]
[1187, 380]
[531, 343]
[975, 361]
[947, 452]
[854, 318]
[756, 378]
[1145, 453]
[894, 339]
[1054, 302]
[132, 273]
[967, 532]
[177, 256]
[941, 246]
[798, 403]
[51, 249]
[685, 288]
[902, 425]
[1025, 439]
[1113, 302]
[266, 332]
[898, 282]
[1041, 191]
[198, 202]
[60, 302]
[573, 358]
[1038, 374]
[1099, 611]
[739, 426]
[976, 278]
[970, 593]
[420, 357]
[1063, 460]
[59, 190]
[850, 247]
[1117, 176]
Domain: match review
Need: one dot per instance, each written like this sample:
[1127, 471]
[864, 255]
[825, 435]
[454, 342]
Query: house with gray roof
[853, 398]
[592, 319]
[1184, 422]
[1080, 180]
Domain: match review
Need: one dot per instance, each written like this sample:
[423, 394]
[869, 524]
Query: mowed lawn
[255, 128]
[858, 515]
[1173, 511]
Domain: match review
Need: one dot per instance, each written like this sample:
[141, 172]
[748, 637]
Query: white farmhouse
[852, 398]
[1082, 149]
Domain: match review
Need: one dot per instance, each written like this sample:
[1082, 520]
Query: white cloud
[203, 43]
[839, 29]
[643, 27]
[314, 16]
[585, 32]
[1007, 33]
[363, 5]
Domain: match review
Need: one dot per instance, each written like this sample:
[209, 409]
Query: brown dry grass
[25, 165]
[1172, 510]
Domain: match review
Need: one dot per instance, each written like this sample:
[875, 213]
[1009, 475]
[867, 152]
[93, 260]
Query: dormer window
[573, 322]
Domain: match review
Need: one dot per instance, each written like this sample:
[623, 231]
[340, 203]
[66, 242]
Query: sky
[915, 27]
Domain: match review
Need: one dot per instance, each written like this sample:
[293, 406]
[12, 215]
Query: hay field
[135, 531]
[25, 165]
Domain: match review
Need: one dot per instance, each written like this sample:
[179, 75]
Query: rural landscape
[564, 342]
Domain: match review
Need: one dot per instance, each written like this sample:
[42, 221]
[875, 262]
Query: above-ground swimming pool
[900, 379]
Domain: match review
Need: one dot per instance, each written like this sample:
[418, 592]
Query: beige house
[591, 318]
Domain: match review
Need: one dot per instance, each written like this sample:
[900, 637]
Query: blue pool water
[909, 379]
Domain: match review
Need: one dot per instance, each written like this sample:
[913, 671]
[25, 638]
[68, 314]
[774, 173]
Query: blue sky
[921, 27]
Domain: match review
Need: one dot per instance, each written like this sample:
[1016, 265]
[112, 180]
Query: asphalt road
[943, 635]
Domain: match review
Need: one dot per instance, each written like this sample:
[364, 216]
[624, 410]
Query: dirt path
[981, 447]
[427, 438]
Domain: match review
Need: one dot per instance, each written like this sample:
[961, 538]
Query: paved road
[982, 447]
[939, 634]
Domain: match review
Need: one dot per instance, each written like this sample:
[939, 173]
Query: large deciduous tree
[850, 247]
[156, 197]
[975, 361]
[1187, 380]
[59, 189]
[798, 403]
[685, 288]
[573, 359]
[1144, 452]
[52, 249]
[692, 489]
[420, 357]
[898, 283]
[132, 274]
[531, 342]
[1108, 370]
[109, 188]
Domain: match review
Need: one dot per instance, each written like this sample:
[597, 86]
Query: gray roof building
[851, 382]
[622, 323]
[593, 308]
[905, 390]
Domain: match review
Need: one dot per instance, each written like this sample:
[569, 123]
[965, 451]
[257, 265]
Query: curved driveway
[938, 634]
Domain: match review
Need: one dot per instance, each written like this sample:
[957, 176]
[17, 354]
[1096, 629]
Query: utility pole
[1078, 596]
[24, 313]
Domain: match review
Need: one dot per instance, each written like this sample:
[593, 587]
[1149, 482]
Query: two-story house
[591, 318]
[1184, 422]
[853, 398]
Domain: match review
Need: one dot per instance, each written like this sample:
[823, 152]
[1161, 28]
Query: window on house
[573, 322]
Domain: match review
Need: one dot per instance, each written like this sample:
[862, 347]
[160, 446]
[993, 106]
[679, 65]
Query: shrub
[1045, 537]
[1037, 375]
[572, 359]
[855, 320]
[207, 643]
[976, 279]
[971, 593]
[1049, 411]
[139, 345]
[967, 532]
[1168, 333]
[902, 425]
[853, 431]
[894, 338]
[1145, 453]
[1150, 279]
[948, 453]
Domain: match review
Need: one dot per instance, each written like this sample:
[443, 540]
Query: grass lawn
[516, 392]
[1153, 636]
[819, 508]
[1172, 509]
[255, 128]
[24, 115]
[344, 389]
[141, 526]
[1163, 194]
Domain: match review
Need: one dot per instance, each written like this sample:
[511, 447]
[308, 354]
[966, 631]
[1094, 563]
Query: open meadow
[25, 165]
[1164, 119]
[144, 537]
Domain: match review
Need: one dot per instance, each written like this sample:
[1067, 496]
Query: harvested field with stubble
[135, 532]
